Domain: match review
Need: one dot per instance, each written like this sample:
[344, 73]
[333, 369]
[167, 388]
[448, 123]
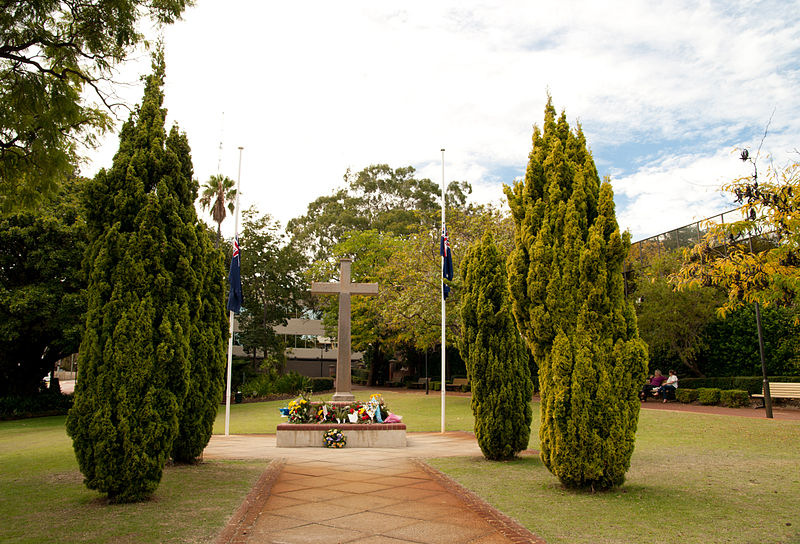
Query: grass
[43, 499]
[693, 479]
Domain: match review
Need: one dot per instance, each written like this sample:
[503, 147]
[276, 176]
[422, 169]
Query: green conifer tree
[565, 279]
[203, 270]
[495, 354]
[146, 265]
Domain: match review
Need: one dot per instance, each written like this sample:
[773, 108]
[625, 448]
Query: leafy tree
[371, 332]
[497, 361]
[42, 297]
[565, 279]
[673, 323]
[405, 315]
[218, 193]
[757, 259]
[378, 197]
[146, 248]
[271, 272]
[51, 51]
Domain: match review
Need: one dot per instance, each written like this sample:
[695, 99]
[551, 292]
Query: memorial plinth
[359, 435]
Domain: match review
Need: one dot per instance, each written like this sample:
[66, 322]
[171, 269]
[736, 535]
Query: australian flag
[235, 298]
[447, 262]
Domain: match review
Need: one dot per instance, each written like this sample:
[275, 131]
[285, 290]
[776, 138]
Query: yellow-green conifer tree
[565, 279]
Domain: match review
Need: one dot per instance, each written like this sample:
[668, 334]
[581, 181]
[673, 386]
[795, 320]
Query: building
[308, 351]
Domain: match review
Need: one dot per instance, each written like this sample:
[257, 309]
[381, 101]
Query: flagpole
[443, 306]
[230, 313]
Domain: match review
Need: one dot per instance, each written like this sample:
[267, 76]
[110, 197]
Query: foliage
[217, 194]
[42, 297]
[686, 396]
[734, 398]
[732, 342]
[207, 339]
[378, 197]
[321, 384]
[497, 361]
[764, 269]
[271, 277]
[751, 384]
[673, 322]
[45, 403]
[565, 279]
[708, 395]
[51, 51]
[152, 342]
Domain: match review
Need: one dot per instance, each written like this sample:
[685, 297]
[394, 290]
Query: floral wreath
[334, 438]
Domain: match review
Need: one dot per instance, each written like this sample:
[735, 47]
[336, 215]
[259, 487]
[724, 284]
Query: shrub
[42, 404]
[708, 395]
[686, 395]
[734, 398]
[321, 384]
[260, 386]
[495, 355]
[292, 384]
[751, 384]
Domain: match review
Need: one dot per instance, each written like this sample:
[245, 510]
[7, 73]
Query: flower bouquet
[334, 438]
[299, 410]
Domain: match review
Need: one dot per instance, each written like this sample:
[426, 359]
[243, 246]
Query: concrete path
[360, 495]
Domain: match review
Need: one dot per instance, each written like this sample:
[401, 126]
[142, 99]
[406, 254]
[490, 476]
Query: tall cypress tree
[565, 279]
[202, 270]
[146, 264]
[497, 361]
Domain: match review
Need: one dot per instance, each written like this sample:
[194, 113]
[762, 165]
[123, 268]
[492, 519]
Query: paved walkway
[359, 495]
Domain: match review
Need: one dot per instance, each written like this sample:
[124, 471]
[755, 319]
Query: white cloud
[310, 89]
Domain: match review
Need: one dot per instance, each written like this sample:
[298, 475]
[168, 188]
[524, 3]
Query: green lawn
[693, 479]
[43, 499]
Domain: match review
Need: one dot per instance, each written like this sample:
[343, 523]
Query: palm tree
[218, 193]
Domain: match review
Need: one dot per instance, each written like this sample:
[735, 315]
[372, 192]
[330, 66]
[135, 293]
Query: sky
[665, 92]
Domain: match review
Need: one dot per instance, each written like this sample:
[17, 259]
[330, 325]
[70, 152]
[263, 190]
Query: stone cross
[344, 289]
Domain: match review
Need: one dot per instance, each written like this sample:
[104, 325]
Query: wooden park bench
[457, 383]
[419, 384]
[780, 390]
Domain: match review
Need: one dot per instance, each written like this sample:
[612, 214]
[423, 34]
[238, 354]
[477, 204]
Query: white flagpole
[442, 296]
[230, 331]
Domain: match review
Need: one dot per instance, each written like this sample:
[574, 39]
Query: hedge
[751, 384]
[734, 398]
[321, 384]
[685, 395]
[43, 404]
[708, 395]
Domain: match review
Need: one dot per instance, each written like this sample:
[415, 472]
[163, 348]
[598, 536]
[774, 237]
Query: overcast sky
[664, 91]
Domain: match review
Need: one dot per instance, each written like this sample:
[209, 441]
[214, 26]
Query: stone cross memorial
[344, 289]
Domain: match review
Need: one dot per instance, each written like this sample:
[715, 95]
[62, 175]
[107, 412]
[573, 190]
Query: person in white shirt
[669, 387]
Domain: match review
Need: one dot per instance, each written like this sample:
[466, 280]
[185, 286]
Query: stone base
[372, 435]
[343, 397]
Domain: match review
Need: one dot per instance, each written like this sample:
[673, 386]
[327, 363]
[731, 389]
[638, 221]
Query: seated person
[669, 387]
[652, 385]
